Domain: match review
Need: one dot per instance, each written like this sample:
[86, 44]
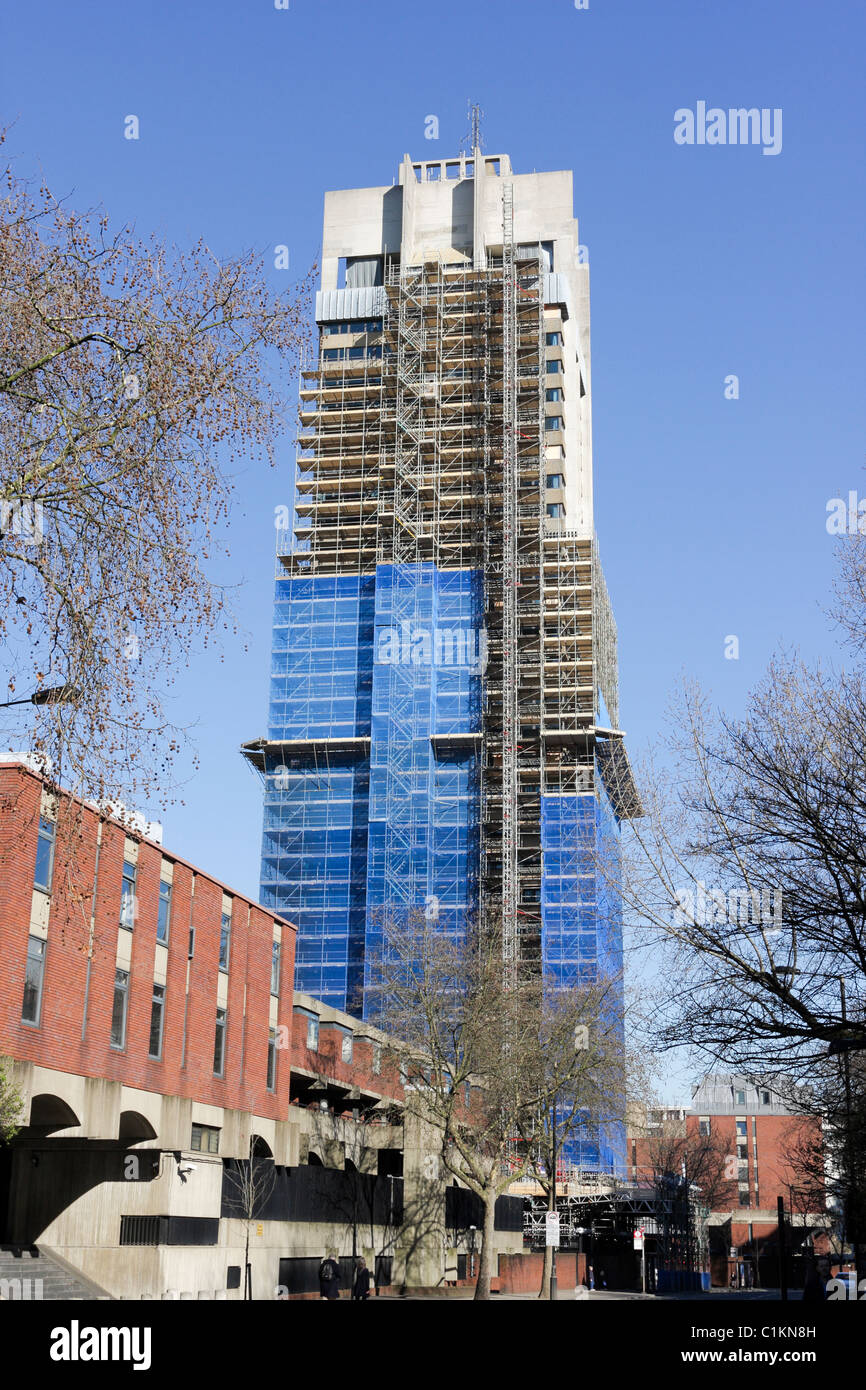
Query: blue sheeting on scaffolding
[364, 834]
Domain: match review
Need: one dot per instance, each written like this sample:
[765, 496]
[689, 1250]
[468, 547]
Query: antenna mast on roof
[473, 137]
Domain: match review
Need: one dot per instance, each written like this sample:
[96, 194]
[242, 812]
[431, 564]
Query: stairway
[31, 1274]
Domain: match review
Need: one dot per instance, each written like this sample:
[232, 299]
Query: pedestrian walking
[329, 1278]
[361, 1286]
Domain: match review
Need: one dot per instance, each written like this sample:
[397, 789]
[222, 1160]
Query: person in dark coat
[361, 1288]
[329, 1278]
[813, 1289]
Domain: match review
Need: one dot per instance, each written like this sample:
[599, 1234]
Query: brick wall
[186, 1068]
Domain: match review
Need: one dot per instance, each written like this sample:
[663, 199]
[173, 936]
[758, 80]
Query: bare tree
[491, 1056]
[249, 1185]
[581, 1038]
[132, 378]
[748, 876]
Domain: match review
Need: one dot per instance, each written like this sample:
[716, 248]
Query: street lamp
[49, 695]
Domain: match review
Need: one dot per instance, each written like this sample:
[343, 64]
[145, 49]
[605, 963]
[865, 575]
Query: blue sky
[705, 261]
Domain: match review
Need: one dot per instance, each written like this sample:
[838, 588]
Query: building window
[157, 1009]
[119, 1008]
[467, 1095]
[554, 366]
[555, 480]
[205, 1139]
[225, 940]
[347, 1047]
[31, 1009]
[219, 1044]
[191, 948]
[743, 1197]
[377, 1059]
[272, 1059]
[765, 1097]
[275, 968]
[555, 509]
[704, 1125]
[312, 1034]
[552, 422]
[554, 393]
[164, 911]
[45, 854]
[553, 339]
[127, 895]
[741, 1129]
[739, 1098]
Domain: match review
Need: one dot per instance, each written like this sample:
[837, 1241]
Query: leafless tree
[490, 1056]
[747, 873]
[133, 377]
[249, 1184]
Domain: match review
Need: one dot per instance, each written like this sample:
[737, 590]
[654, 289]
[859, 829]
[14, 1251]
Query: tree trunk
[547, 1264]
[547, 1270]
[485, 1268]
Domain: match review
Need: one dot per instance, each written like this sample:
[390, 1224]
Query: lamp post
[50, 695]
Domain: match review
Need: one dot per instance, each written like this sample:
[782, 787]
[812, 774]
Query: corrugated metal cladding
[556, 291]
[369, 301]
[364, 303]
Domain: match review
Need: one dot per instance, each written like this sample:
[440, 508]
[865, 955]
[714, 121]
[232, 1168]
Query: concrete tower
[443, 735]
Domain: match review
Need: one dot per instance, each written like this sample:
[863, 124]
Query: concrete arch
[135, 1128]
[48, 1114]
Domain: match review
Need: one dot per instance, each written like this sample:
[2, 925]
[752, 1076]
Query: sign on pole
[638, 1238]
[551, 1234]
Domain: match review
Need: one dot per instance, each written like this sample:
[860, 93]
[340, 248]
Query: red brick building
[124, 962]
[755, 1140]
[148, 1017]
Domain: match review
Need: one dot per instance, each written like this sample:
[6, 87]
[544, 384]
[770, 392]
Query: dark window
[127, 895]
[191, 948]
[272, 1059]
[45, 854]
[31, 1009]
[739, 1097]
[225, 940]
[164, 911]
[553, 422]
[119, 1009]
[553, 393]
[741, 1127]
[554, 366]
[555, 509]
[219, 1046]
[555, 480]
[275, 968]
[157, 1010]
[704, 1125]
[205, 1139]
[553, 339]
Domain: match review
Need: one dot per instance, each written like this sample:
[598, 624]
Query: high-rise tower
[443, 733]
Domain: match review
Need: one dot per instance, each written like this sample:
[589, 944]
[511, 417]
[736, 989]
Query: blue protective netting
[355, 839]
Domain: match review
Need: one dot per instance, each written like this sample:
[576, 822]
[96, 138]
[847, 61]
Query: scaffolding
[421, 492]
